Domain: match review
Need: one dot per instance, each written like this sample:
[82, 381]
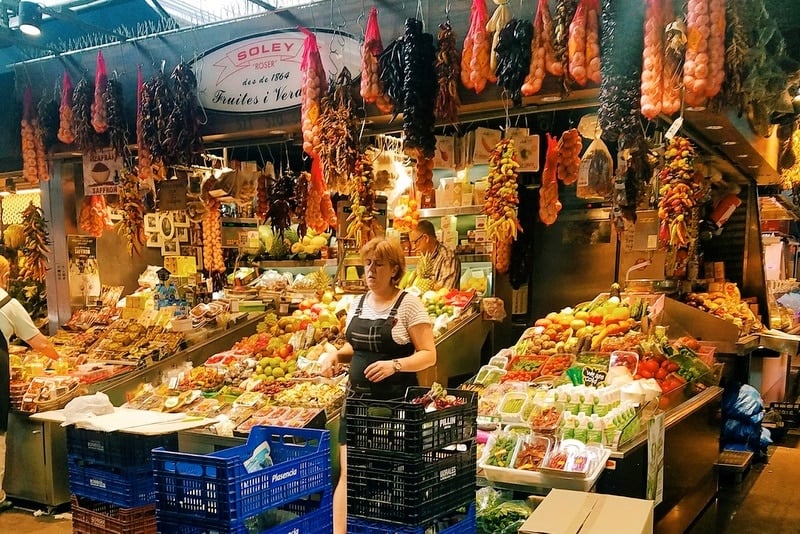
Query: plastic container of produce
[489, 374]
[498, 361]
[514, 407]
[544, 419]
[557, 364]
[531, 452]
[499, 450]
[625, 358]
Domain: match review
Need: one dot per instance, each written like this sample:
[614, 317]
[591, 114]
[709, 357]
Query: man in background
[445, 265]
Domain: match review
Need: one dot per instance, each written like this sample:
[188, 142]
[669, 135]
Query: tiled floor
[23, 521]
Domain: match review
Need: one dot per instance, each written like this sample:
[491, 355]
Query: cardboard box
[589, 513]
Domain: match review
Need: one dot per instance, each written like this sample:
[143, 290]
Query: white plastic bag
[85, 407]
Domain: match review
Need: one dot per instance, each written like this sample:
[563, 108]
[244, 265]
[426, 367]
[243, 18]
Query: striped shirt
[411, 312]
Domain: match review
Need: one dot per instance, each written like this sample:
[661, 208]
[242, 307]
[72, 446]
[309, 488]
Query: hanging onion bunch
[182, 136]
[99, 117]
[87, 139]
[514, 57]
[476, 70]
[157, 105]
[620, 89]
[131, 226]
[371, 87]
[213, 261]
[338, 147]
[419, 91]
[47, 111]
[94, 218]
[36, 247]
[115, 118]
[314, 86]
[65, 126]
[448, 71]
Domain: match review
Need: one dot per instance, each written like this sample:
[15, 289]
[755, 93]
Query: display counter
[458, 350]
[691, 446]
[38, 472]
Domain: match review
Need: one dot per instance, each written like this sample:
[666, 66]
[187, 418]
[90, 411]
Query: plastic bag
[86, 406]
[596, 173]
[744, 404]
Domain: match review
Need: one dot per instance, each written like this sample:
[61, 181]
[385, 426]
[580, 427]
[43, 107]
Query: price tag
[173, 382]
[593, 377]
[673, 129]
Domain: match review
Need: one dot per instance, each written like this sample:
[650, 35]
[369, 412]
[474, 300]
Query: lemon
[278, 372]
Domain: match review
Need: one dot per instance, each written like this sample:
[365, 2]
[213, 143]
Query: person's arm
[424, 355]
[41, 344]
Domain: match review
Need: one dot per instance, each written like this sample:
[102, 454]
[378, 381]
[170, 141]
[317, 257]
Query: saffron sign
[262, 73]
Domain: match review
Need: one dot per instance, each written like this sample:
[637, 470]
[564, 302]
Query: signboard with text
[101, 172]
[262, 73]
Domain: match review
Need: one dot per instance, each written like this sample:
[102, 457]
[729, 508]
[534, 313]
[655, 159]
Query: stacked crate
[291, 492]
[111, 479]
[410, 470]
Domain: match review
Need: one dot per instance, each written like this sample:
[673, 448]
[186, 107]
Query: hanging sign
[262, 72]
[101, 172]
[84, 274]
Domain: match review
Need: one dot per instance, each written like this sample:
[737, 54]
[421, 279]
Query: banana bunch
[37, 244]
[131, 226]
[361, 223]
[679, 192]
[502, 198]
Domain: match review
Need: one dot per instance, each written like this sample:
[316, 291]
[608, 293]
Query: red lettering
[276, 47]
[241, 56]
[289, 46]
[253, 50]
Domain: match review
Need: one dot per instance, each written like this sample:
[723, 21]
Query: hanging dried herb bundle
[157, 105]
[49, 119]
[622, 46]
[86, 138]
[115, 118]
[36, 247]
[182, 135]
[281, 202]
[514, 57]
[300, 201]
[338, 147]
[448, 72]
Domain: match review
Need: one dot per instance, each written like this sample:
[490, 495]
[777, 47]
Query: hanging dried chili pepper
[144, 159]
[338, 147]
[131, 226]
[48, 116]
[419, 91]
[514, 57]
[86, 138]
[182, 136]
[117, 127]
[448, 71]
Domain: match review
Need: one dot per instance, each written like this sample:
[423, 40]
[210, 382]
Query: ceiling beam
[67, 15]
[262, 3]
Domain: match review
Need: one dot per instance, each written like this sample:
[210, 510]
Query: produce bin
[217, 487]
[406, 429]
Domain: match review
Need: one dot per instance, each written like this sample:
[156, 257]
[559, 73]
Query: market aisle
[22, 520]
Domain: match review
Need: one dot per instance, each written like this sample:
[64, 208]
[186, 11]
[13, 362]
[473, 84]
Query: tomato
[661, 374]
[665, 364]
[645, 373]
[672, 367]
[650, 365]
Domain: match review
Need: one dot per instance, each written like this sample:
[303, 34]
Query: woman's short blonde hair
[5, 267]
[383, 249]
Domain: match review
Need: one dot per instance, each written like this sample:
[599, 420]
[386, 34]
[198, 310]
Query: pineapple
[423, 274]
[321, 280]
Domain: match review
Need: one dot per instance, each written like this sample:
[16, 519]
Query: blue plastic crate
[115, 449]
[217, 487]
[128, 488]
[467, 525]
[314, 514]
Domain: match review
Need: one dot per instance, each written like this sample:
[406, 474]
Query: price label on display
[593, 377]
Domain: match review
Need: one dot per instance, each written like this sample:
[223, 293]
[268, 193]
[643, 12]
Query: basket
[455, 523]
[97, 517]
[58, 402]
[217, 487]
[127, 488]
[311, 514]
[412, 493]
[115, 449]
[406, 429]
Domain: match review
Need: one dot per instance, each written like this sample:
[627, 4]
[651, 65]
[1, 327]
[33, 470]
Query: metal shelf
[455, 210]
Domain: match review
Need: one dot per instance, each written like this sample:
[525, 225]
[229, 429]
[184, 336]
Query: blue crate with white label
[128, 488]
[313, 513]
[218, 486]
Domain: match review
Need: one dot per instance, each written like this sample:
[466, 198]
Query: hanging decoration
[679, 192]
[338, 148]
[144, 162]
[448, 71]
[47, 111]
[65, 126]
[513, 57]
[131, 226]
[362, 223]
[99, 117]
[182, 139]
[501, 202]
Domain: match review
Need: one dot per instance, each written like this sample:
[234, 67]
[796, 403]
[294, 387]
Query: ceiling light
[742, 156]
[553, 98]
[30, 18]
[713, 127]
[752, 166]
[729, 143]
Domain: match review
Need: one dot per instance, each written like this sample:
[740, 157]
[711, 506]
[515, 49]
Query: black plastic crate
[407, 429]
[453, 523]
[115, 449]
[790, 412]
[384, 488]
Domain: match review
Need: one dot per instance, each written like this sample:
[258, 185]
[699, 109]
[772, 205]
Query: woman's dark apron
[5, 377]
[372, 341]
